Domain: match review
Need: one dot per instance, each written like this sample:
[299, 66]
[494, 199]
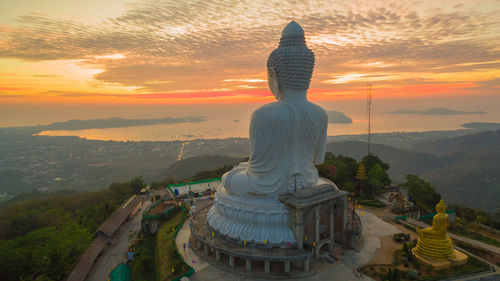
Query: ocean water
[219, 127]
[232, 120]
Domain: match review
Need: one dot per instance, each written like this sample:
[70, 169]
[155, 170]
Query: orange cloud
[422, 90]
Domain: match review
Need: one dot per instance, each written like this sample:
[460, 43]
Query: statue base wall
[460, 259]
[251, 220]
[271, 237]
[318, 216]
[246, 259]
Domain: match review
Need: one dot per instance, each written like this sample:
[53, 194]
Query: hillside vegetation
[42, 239]
[465, 169]
[188, 167]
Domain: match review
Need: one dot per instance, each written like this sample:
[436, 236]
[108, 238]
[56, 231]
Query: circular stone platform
[249, 260]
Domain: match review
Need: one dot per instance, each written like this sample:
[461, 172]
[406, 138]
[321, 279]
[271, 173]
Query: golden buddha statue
[434, 246]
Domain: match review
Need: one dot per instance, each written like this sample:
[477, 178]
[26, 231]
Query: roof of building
[111, 225]
[82, 269]
[108, 227]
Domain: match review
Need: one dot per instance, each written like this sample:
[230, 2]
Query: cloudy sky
[196, 52]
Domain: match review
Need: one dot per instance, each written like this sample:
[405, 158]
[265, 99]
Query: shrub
[417, 265]
[404, 260]
[413, 274]
[371, 203]
[143, 265]
[167, 256]
[401, 237]
[393, 275]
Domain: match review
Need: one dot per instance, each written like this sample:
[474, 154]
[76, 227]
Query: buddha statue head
[290, 66]
[441, 207]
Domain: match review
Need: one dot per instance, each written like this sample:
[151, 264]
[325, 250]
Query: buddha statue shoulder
[288, 136]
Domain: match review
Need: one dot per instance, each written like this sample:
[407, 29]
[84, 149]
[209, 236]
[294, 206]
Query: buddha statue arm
[269, 132]
[319, 154]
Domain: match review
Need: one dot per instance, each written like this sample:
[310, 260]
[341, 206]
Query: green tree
[496, 220]
[46, 251]
[481, 219]
[421, 192]
[143, 265]
[345, 170]
[371, 160]
[378, 177]
[407, 252]
[137, 184]
[43, 278]
[377, 174]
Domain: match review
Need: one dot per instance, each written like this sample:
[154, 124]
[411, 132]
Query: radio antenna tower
[369, 111]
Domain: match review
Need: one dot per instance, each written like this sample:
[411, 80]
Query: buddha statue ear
[272, 80]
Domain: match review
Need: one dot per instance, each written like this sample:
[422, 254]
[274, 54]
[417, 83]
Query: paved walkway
[116, 252]
[479, 244]
[373, 228]
[188, 255]
[337, 271]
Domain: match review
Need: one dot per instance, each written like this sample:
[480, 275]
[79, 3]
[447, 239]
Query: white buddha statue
[287, 139]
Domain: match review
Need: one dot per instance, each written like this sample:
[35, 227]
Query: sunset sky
[209, 52]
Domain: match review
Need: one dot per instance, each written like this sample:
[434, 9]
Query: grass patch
[484, 254]
[371, 203]
[409, 227]
[472, 231]
[169, 262]
[143, 265]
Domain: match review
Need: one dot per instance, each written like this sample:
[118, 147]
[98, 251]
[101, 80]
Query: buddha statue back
[287, 139]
